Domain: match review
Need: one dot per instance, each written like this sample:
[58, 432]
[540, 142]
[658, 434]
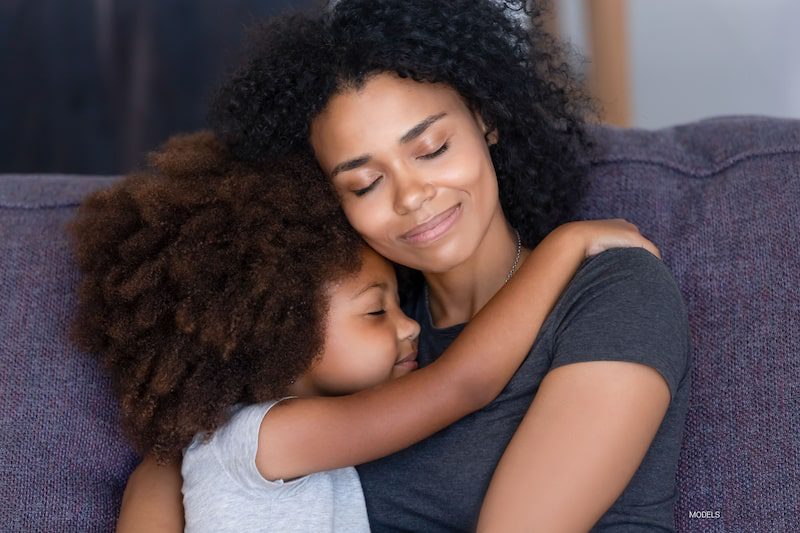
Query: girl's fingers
[652, 248]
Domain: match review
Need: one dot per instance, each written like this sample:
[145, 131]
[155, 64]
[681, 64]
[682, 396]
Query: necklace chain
[508, 276]
[516, 258]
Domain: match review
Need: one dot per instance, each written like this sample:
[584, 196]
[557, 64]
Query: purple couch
[721, 198]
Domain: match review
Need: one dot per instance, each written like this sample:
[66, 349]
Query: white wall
[692, 59]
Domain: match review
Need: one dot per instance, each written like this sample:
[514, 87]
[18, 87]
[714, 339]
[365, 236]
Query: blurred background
[654, 64]
[90, 86]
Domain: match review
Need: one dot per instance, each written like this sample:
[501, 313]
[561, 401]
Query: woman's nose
[411, 192]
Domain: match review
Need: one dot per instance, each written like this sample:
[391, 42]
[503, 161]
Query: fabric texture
[721, 199]
[621, 305]
[224, 491]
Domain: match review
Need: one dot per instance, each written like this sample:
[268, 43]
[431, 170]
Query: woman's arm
[302, 436]
[581, 441]
[592, 422]
[152, 501]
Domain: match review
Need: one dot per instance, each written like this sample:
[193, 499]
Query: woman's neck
[457, 295]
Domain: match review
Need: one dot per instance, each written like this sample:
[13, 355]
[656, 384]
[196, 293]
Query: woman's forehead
[384, 109]
[388, 95]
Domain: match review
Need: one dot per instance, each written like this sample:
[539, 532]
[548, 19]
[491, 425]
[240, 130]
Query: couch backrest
[721, 199]
[63, 460]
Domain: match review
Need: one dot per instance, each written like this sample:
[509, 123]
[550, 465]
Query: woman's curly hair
[205, 284]
[496, 54]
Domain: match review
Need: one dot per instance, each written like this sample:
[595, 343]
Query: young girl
[245, 323]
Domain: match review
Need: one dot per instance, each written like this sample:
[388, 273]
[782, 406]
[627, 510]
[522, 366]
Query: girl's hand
[599, 235]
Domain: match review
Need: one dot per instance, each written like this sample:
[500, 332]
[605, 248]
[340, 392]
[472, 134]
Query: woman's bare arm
[152, 501]
[584, 436]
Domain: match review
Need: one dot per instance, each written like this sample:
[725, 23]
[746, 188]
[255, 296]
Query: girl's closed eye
[378, 312]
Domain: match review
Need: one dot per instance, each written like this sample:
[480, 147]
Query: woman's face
[411, 165]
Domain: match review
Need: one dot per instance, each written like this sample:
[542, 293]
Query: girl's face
[369, 340]
[411, 165]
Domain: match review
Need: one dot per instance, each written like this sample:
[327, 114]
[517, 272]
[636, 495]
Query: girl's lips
[434, 228]
[409, 361]
[408, 364]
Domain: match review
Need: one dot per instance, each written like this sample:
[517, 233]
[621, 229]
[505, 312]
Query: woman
[452, 135]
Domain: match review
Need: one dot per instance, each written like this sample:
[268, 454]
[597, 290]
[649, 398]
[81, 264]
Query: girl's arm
[308, 435]
[152, 500]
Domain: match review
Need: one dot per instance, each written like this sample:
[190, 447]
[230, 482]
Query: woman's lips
[435, 227]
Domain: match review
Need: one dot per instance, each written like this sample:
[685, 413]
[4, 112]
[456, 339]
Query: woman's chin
[430, 266]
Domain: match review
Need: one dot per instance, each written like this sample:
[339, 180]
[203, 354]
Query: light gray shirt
[223, 490]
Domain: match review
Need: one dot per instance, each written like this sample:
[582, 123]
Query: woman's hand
[599, 235]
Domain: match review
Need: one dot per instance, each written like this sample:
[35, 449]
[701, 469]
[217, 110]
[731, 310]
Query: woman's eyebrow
[351, 164]
[417, 130]
[409, 136]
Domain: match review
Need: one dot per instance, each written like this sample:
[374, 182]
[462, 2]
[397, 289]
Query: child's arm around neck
[302, 436]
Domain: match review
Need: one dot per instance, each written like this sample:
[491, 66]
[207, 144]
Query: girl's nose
[407, 328]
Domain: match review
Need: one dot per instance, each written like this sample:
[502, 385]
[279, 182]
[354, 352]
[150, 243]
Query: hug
[451, 138]
[372, 296]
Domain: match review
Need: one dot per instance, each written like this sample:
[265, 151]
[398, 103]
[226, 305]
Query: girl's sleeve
[624, 305]
[236, 443]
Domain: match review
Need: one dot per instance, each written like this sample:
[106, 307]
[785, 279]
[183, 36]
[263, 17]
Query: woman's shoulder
[631, 262]
[625, 274]
[623, 304]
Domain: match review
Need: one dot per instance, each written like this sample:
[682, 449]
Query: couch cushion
[721, 199]
[63, 461]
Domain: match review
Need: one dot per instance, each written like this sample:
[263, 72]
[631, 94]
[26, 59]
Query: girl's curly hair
[205, 284]
[495, 53]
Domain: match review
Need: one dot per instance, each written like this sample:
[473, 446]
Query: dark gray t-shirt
[622, 304]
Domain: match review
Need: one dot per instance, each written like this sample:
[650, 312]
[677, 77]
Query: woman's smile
[434, 228]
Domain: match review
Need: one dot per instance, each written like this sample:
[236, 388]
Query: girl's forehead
[376, 272]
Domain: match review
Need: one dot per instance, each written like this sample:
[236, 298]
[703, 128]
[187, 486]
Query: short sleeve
[235, 444]
[624, 305]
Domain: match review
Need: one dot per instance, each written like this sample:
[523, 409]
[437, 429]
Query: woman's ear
[492, 135]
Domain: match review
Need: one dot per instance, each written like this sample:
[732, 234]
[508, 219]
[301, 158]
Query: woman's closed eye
[442, 149]
[379, 312]
[365, 190]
